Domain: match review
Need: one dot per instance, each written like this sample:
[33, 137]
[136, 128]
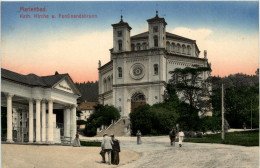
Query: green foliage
[89, 91]
[78, 113]
[194, 89]
[210, 124]
[157, 119]
[90, 143]
[81, 122]
[245, 138]
[239, 101]
[141, 119]
[103, 115]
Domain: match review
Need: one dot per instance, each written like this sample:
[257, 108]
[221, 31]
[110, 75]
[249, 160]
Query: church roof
[34, 80]
[157, 19]
[140, 36]
[122, 23]
[144, 35]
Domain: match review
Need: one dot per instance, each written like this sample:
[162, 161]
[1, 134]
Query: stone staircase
[120, 128]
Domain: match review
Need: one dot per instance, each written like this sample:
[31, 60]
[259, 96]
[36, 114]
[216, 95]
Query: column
[38, 120]
[30, 120]
[66, 121]
[50, 122]
[73, 122]
[9, 119]
[24, 119]
[43, 121]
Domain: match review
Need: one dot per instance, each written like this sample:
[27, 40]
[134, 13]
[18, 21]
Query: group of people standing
[111, 146]
[174, 133]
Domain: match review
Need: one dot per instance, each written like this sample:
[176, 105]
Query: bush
[81, 122]
[141, 119]
[158, 119]
[103, 115]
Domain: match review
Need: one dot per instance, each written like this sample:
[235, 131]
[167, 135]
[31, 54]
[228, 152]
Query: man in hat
[106, 146]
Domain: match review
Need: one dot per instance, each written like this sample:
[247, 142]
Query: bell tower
[157, 33]
[121, 36]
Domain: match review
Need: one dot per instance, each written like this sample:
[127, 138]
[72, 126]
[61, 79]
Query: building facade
[139, 67]
[30, 102]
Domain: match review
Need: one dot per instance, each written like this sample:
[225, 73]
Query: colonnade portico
[44, 133]
[33, 99]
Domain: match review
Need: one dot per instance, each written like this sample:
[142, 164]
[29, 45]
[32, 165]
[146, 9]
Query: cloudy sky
[229, 31]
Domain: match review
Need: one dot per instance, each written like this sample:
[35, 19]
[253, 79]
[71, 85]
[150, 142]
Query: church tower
[121, 36]
[157, 33]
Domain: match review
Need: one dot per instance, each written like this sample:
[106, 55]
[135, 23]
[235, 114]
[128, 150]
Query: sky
[229, 31]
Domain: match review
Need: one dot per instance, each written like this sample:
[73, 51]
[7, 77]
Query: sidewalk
[38, 156]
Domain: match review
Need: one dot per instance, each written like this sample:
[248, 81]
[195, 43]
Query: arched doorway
[137, 100]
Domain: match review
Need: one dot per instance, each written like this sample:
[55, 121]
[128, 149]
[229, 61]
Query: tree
[103, 115]
[192, 88]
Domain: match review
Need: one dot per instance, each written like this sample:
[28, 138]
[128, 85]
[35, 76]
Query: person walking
[172, 136]
[139, 134]
[76, 141]
[115, 151]
[106, 146]
[181, 136]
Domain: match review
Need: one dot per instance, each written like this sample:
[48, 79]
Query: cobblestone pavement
[156, 152]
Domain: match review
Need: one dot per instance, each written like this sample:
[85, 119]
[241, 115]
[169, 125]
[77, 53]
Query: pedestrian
[115, 151]
[106, 146]
[124, 121]
[139, 134]
[172, 136]
[181, 136]
[76, 141]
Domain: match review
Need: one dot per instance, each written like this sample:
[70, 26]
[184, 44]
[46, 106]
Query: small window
[138, 47]
[144, 46]
[167, 46]
[120, 72]
[188, 48]
[119, 33]
[155, 66]
[155, 41]
[132, 47]
[155, 29]
[120, 45]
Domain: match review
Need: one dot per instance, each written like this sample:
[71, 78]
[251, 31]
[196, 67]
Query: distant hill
[89, 91]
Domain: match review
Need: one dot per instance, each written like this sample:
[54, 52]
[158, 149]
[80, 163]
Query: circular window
[137, 71]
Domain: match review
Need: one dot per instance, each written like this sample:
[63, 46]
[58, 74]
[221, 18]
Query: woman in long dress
[115, 151]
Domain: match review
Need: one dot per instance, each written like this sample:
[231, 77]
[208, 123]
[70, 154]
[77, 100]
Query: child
[181, 136]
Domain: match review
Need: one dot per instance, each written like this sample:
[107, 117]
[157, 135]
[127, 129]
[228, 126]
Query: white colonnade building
[30, 102]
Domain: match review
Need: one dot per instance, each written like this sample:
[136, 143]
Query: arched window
[183, 49]
[120, 72]
[120, 45]
[188, 48]
[178, 48]
[108, 84]
[132, 47]
[155, 41]
[111, 83]
[105, 85]
[144, 46]
[173, 47]
[155, 68]
[168, 46]
[138, 46]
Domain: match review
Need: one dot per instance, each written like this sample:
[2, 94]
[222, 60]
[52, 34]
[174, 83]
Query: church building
[138, 70]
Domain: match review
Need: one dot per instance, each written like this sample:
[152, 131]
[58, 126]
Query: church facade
[139, 67]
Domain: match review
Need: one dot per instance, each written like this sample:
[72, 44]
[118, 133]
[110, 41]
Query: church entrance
[138, 99]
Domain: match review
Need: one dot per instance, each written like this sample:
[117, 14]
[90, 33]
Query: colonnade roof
[36, 81]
